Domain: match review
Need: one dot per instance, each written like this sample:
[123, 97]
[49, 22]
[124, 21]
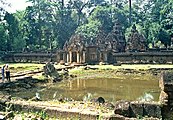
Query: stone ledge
[63, 110]
[136, 109]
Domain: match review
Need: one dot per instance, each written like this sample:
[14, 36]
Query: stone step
[65, 110]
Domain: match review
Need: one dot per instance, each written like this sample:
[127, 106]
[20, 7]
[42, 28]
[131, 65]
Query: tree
[79, 6]
[130, 11]
[14, 36]
[103, 15]
[89, 30]
[49, 24]
[3, 38]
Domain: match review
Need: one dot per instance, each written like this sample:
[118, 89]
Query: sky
[15, 5]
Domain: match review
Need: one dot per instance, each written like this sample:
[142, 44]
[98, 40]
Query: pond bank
[79, 110]
[106, 72]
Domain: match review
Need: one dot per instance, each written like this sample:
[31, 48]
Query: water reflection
[112, 89]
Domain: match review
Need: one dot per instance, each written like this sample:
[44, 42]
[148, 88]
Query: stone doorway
[110, 58]
[74, 57]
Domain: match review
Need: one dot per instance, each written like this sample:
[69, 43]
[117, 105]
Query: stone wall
[166, 85]
[125, 57]
[30, 57]
[166, 95]
[143, 57]
[136, 109]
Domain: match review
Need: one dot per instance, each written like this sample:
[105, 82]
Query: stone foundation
[136, 109]
[166, 95]
[166, 85]
[121, 57]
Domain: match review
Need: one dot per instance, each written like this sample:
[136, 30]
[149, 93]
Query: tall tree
[79, 6]
[14, 33]
[130, 11]
[3, 38]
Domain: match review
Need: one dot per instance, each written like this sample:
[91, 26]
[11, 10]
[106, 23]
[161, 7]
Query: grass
[110, 71]
[21, 67]
[33, 66]
[135, 66]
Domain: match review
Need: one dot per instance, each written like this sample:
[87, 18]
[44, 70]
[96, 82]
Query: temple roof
[103, 41]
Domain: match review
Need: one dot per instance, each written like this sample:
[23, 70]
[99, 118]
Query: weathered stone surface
[4, 99]
[168, 88]
[136, 108]
[163, 98]
[152, 110]
[9, 115]
[170, 95]
[116, 117]
[167, 77]
[50, 71]
[166, 81]
[6, 115]
[170, 103]
[115, 40]
[84, 111]
[122, 108]
[136, 41]
[151, 118]
[2, 117]
[62, 62]
[166, 85]
[56, 112]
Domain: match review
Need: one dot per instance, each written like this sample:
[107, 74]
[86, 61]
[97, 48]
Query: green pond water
[126, 87]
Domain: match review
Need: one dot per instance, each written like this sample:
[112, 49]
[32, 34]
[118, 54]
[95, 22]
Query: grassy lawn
[135, 66]
[19, 67]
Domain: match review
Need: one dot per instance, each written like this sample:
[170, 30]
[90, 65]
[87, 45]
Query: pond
[126, 87]
[112, 88]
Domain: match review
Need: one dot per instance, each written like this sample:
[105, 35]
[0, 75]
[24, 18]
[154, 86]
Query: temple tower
[136, 41]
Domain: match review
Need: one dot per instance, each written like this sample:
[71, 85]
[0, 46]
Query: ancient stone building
[74, 50]
[136, 41]
[116, 39]
[100, 49]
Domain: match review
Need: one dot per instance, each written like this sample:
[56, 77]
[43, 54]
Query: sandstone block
[170, 95]
[163, 98]
[152, 110]
[122, 108]
[136, 109]
[166, 81]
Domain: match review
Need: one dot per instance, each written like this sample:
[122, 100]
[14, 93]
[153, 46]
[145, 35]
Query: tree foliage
[47, 25]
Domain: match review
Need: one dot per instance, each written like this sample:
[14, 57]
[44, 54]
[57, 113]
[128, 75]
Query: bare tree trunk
[130, 12]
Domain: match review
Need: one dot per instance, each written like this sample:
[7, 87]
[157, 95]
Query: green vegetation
[112, 72]
[32, 115]
[47, 25]
[22, 67]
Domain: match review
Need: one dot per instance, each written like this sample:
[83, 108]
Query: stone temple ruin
[109, 47]
[79, 50]
[136, 41]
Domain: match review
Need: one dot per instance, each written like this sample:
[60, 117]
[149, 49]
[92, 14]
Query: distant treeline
[47, 25]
